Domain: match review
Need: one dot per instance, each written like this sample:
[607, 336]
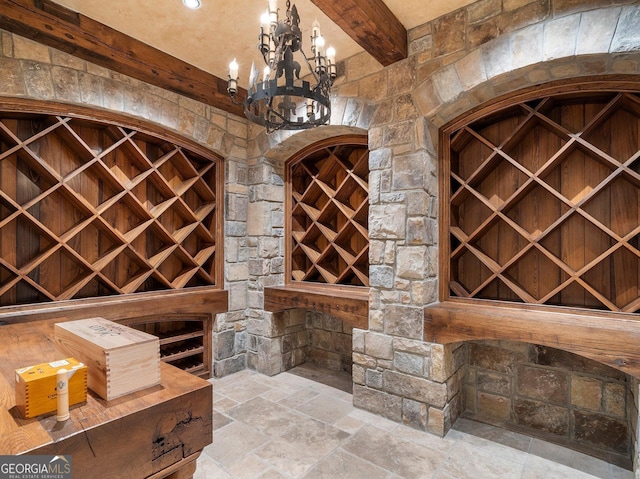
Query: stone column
[229, 332]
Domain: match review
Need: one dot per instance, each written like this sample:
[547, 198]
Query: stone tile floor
[293, 426]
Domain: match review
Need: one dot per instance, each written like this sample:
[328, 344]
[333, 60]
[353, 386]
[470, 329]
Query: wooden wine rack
[544, 203]
[329, 192]
[185, 341]
[91, 209]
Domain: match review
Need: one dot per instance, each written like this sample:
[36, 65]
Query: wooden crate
[36, 391]
[120, 359]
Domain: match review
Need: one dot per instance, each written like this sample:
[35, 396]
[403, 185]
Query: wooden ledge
[607, 337]
[348, 303]
[183, 301]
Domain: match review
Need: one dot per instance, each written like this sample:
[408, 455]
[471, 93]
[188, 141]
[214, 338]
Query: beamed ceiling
[187, 51]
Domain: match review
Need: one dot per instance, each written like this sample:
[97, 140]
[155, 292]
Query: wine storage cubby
[185, 341]
[329, 205]
[544, 205]
[92, 209]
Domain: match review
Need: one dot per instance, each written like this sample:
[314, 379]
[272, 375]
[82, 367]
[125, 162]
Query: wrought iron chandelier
[283, 100]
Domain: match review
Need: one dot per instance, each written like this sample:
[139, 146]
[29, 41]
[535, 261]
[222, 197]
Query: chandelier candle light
[282, 100]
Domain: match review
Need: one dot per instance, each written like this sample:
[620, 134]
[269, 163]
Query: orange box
[36, 391]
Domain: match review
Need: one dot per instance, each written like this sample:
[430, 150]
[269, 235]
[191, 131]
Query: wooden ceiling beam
[53, 25]
[371, 24]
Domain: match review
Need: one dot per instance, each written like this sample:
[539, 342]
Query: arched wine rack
[93, 209]
[544, 202]
[329, 206]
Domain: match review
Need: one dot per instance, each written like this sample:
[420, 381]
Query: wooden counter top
[154, 433]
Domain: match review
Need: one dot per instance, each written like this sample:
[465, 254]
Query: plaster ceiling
[212, 35]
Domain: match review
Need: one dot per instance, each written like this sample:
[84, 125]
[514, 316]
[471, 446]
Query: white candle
[265, 21]
[319, 46]
[331, 55]
[265, 74]
[233, 70]
[273, 11]
[315, 29]
[62, 384]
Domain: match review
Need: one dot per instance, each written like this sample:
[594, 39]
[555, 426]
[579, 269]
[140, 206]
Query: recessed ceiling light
[192, 3]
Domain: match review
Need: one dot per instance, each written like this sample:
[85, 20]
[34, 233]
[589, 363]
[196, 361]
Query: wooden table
[155, 433]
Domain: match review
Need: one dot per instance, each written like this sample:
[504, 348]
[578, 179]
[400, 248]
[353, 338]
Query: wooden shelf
[328, 210]
[544, 203]
[89, 209]
[606, 337]
[348, 303]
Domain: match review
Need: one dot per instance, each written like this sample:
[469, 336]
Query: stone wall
[330, 342]
[552, 394]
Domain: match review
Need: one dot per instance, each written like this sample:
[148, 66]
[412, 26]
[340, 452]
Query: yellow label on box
[36, 389]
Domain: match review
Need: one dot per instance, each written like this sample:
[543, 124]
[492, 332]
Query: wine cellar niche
[544, 204]
[329, 207]
[89, 209]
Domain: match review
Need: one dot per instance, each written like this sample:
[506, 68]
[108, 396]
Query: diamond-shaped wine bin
[120, 359]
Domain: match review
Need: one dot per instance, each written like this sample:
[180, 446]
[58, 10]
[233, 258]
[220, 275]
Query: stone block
[412, 346]
[408, 170]
[418, 389]
[615, 399]
[378, 345]
[411, 262]
[223, 344]
[557, 358]
[470, 399]
[387, 221]
[229, 366]
[358, 374]
[560, 37]
[358, 340]
[381, 276]
[37, 78]
[492, 406]
[373, 378]
[426, 97]
[404, 321]
[448, 84]
[492, 358]
[495, 383]
[321, 339]
[449, 33]
[586, 392]
[497, 56]
[364, 360]
[414, 414]
[470, 70]
[547, 385]
[601, 431]
[528, 46]
[352, 112]
[438, 422]
[596, 31]
[379, 402]
[373, 87]
[484, 9]
[408, 363]
[541, 416]
[12, 77]
[361, 65]
[25, 49]
[627, 36]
